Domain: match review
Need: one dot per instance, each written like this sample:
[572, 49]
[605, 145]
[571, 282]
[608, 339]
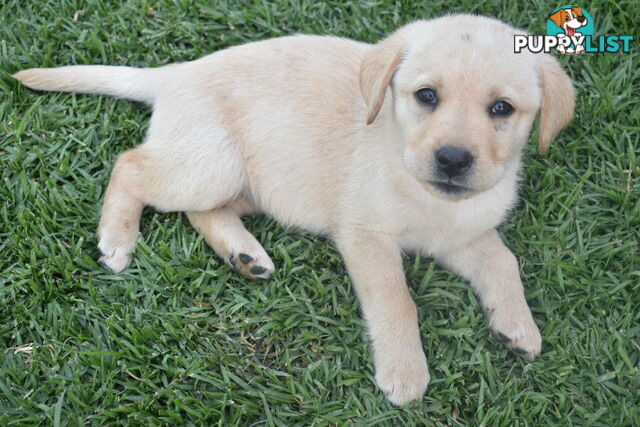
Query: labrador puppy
[411, 144]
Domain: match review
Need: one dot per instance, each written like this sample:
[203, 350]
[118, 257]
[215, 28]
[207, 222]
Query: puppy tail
[138, 84]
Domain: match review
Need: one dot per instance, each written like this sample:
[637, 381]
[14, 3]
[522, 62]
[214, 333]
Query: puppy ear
[558, 100]
[376, 71]
[577, 11]
[558, 18]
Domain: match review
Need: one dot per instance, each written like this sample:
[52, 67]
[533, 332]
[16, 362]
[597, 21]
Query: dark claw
[520, 350]
[257, 269]
[245, 258]
[232, 262]
[503, 337]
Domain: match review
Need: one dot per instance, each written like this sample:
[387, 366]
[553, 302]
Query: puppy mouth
[450, 188]
[571, 29]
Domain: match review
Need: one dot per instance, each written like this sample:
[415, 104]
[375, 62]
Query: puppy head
[463, 100]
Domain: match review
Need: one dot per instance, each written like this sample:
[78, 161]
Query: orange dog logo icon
[569, 19]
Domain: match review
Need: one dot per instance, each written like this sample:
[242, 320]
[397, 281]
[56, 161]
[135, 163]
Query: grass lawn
[179, 338]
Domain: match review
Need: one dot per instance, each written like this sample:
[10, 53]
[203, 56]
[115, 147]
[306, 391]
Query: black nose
[453, 161]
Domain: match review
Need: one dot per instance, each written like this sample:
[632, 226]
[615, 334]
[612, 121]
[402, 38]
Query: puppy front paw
[402, 377]
[517, 330]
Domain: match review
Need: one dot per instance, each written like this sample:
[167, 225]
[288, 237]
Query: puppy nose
[453, 161]
[581, 19]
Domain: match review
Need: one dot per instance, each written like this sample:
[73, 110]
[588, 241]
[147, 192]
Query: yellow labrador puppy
[413, 144]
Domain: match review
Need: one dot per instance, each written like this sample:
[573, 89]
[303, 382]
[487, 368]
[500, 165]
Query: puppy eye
[427, 96]
[501, 109]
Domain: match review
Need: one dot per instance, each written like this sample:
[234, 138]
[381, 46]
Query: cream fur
[281, 127]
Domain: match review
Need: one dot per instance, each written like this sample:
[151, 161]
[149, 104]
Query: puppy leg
[223, 230]
[121, 211]
[375, 266]
[492, 270]
[174, 179]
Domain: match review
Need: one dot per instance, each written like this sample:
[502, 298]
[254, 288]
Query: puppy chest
[439, 230]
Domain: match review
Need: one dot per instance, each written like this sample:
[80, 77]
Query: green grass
[179, 338]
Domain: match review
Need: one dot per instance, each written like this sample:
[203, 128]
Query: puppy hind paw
[257, 266]
[116, 259]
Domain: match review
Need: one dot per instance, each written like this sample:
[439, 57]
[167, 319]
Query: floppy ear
[577, 11]
[376, 71]
[558, 99]
[558, 18]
